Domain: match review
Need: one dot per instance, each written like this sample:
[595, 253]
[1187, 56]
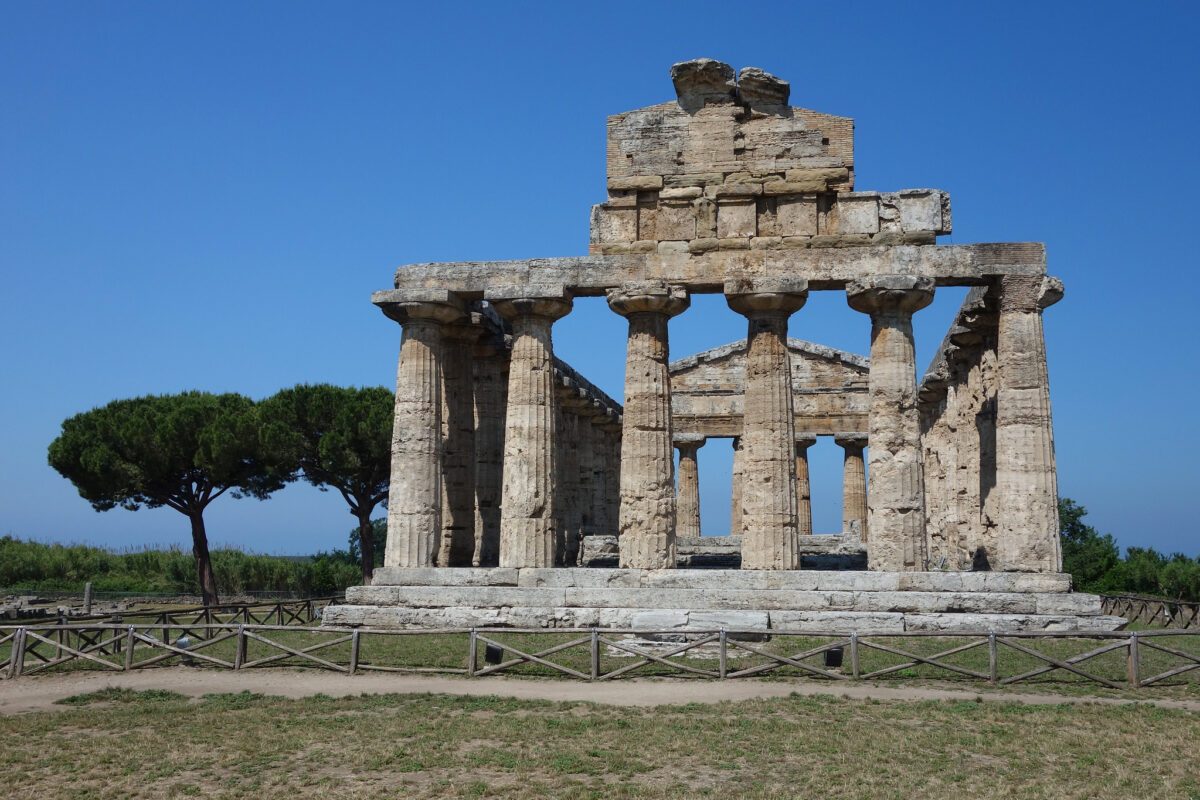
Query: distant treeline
[1096, 564]
[37, 567]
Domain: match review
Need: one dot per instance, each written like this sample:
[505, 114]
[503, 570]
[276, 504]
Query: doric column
[566, 491]
[804, 525]
[415, 491]
[688, 510]
[527, 513]
[1026, 478]
[646, 523]
[491, 392]
[768, 524]
[896, 500]
[457, 545]
[612, 475]
[735, 490]
[854, 482]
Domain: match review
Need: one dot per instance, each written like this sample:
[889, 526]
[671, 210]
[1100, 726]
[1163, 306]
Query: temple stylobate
[507, 462]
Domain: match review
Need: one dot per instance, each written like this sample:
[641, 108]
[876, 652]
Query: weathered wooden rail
[1152, 611]
[1149, 657]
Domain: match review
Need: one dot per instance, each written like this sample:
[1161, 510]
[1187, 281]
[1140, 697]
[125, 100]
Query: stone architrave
[527, 512]
[491, 391]
[854, 482]
[1026, 484]
[457, 545]
[688, 510]
[415, 491]
[646, 523]
[768, 523]
[896, 500]
[804, 523]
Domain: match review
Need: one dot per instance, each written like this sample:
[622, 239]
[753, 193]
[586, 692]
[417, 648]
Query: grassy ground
[449, 652]
[120, 743]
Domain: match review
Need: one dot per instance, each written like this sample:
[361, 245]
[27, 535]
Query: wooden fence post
[239, 650]
[993, 665]
[1133, 666]
[354, 635]
[129, 642]
[855, 666]
[723, 663]
[472, 653]
[17, 665]
[595, 654]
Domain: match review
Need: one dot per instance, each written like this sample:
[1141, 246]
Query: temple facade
[505, 459]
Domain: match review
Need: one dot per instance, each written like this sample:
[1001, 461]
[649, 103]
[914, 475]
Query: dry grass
[157, 744]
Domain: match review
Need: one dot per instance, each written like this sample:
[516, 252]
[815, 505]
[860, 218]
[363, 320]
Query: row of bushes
[36, 567]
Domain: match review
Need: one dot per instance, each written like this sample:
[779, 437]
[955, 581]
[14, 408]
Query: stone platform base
[802, 600]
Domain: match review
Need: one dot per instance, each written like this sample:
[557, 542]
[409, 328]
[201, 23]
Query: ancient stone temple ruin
[511, 473]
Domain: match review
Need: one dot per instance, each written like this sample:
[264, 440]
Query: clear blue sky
[204, 195]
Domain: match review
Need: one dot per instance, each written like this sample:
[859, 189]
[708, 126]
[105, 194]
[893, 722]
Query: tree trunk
[204, 570]
[366, 544]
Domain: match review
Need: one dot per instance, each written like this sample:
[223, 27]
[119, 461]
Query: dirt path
[39, 694]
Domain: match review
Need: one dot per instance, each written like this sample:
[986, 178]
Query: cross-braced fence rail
[1116, 660]
[1151, 611]
[190, 620]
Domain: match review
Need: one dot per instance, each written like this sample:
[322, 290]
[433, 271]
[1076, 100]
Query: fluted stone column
[646, 523]
[854, 482]
[768, 524]
[597, 481]
[610, 455]
[457, 545]
[896, 500]
[735, 490]
[688, 510]
[527, 513]
[1026, 477]
[415, 491]
[804, 524]
[491, 392]
[566, 491]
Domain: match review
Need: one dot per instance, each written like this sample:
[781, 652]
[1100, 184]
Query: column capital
[689, 441]
[882, 293]
[434, 305]
[549, 301]
[850, 439]
[805, 440]
[655, 297]
[753, 297]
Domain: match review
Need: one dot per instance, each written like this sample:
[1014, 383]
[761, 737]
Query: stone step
[665, 619]
[794, 580]
[727, 599]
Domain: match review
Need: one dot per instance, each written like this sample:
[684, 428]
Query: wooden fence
[1149, 611]
[1139, 658]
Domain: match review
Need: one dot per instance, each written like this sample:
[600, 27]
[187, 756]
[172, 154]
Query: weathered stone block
[613, 224]
[856, 213]
[635, 182]
[736, 219]
[797, 216]
[676, 220]
[921, 210]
